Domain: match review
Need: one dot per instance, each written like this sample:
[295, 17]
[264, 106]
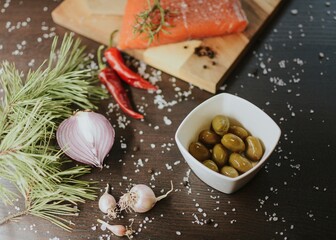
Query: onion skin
[86, 137]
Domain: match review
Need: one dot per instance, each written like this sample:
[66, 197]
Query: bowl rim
[243, 175]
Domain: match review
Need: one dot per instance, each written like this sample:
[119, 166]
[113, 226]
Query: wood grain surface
[289, 72]
[78, 17]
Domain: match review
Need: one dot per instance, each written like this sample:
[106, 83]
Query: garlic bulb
[86, 137]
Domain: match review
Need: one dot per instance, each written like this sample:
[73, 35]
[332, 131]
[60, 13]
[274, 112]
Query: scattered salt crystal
[168, 167]
[277, 81]
[178, 233]
[321, 55]
[140, 163]
[294, 11]
[162, 103]
[167, 121]
[103, 227]
[31, 63]
[282, 64]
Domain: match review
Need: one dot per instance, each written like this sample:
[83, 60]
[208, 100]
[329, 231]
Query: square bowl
[252, 118]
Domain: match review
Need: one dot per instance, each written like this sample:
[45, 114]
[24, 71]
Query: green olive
[199, 151]
[208, 137]
[233, 142]
[220, 154]
[220, 124]
[254, 149]
[254, 163]
[211, 164]
[239, 162]
[239, 131]
[229, 171]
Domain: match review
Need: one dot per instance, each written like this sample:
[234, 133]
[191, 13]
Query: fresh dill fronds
[152, 21]
[30, 111]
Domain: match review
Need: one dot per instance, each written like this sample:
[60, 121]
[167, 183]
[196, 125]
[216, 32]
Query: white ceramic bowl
[256, 121]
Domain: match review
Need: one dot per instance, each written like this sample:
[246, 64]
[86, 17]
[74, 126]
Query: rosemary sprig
[29, 113]
[152, 21]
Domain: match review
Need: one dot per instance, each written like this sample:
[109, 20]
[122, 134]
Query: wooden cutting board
[177, 59]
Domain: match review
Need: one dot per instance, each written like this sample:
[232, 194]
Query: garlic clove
[118, 230]
[107, 202]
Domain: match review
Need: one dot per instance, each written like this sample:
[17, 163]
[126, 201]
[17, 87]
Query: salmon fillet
[190, 19]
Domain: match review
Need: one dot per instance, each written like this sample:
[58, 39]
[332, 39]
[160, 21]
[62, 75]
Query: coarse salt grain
[168, 167]
[167, 121]
[294, 11]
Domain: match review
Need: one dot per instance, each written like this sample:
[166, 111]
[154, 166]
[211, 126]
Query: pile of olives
[227, 148]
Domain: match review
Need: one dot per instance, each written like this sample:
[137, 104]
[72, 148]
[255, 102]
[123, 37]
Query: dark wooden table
[289, 72]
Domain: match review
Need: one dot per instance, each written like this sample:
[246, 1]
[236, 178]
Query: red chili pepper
[115, 60]
[112, 82]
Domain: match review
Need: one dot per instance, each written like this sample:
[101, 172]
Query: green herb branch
[152, 21]
[29, 114]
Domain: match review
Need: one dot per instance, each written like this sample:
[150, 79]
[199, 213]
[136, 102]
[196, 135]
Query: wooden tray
[175, 59]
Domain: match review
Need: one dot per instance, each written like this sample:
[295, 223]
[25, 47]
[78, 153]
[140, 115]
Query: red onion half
[86, 137]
